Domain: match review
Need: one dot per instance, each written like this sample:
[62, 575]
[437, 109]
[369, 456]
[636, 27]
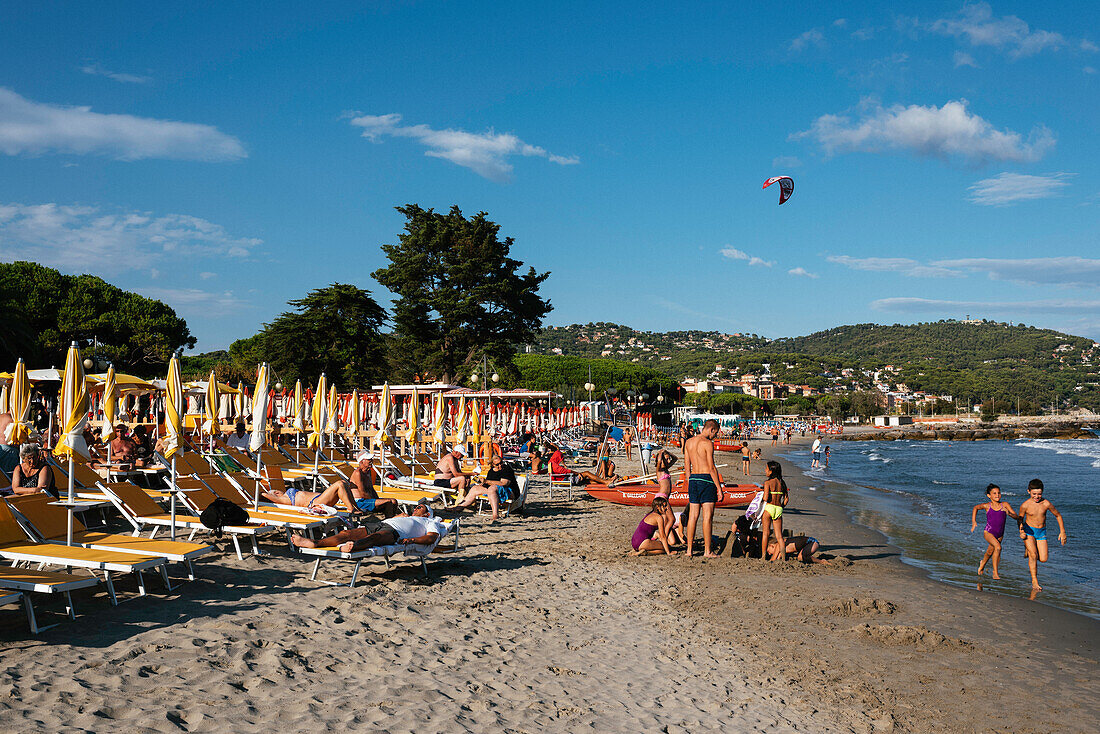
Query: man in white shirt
[816, 450]
[419, 528]
[238, 439]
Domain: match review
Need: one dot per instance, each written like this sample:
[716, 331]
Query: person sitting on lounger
[498, 486]
[361, 487]
[420, 528]
[448, 471]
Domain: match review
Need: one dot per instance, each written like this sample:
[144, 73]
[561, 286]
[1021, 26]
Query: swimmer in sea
[995, 514]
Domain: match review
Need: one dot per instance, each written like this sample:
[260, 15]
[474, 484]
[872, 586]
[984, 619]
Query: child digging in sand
[995, 514]
[1033, 528]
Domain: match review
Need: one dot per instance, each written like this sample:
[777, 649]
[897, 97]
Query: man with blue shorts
[704, 485]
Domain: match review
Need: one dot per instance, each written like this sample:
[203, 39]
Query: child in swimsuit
[1033, 528]
[775, 499]
[995, 514]
[653, 524]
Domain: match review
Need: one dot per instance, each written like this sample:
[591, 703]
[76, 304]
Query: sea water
[919, 494]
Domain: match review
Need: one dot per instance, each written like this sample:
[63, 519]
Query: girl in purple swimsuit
[995, 514]
[653, 524]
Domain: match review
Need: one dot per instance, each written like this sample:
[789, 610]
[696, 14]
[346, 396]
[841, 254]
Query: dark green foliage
[44, 311]
[569, 374]
[459, 295]
[335, 330]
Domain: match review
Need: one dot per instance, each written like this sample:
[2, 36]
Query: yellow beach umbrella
[173, 430]
[439, 426]
[4, 397]
[320, 413]
[333, 410]
[413, 417]
[210, 425]
[299, 417]
[19, 405]
[385, 413]
[353, 426]
[475, 420]
[460, 421]
[110, 407]
[238, 400]
[259, 410]
[73, 410]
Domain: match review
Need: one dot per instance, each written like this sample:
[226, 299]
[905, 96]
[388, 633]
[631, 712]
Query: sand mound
[918, 637]
[863, 607]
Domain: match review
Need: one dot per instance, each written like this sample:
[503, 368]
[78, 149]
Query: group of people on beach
[1031, 519]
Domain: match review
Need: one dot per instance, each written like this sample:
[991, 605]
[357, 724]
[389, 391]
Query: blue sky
[227, 159]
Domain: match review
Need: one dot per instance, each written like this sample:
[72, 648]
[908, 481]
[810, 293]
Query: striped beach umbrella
[299, 422]
[19, 405]
[353, 415]
[110, 406]
[333, 410]
[385, 414]
[73, 410]
[238, 400]
[259, 410]
[210, 426]
[439, 415]
[460, 421]
[320, 414]
[173, 410]
[413, 417]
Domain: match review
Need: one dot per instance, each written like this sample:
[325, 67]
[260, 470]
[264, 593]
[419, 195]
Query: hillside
[970, 361]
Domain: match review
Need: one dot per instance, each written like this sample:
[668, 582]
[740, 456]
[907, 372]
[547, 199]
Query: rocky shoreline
[970, 432]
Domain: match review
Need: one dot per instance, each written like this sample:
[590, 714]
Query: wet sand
[542, 622]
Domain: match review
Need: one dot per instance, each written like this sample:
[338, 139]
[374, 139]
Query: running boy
[1033, 528]
[995, 514]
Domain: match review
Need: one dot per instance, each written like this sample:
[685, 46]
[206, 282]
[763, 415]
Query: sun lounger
[273, 515]
[15, 547]
[386, 552]
[49, 522]
[43, 582]
[141, 511]
[518, 498]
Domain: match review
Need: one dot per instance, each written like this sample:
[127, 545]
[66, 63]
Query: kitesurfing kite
[786, 186]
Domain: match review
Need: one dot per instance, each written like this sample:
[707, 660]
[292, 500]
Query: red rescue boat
[641, 495]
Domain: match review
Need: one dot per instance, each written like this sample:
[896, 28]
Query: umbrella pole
[256, 491]
[172, 500]
[69, 534]
[317, 459]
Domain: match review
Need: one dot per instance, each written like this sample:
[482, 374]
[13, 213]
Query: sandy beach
[542, 622]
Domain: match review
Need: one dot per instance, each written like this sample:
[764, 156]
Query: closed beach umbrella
[413, 417]
[238, 400]
[439, 425]
[385, 413]
[333, 410]
[19, 405]
[460, 421]
[320, 414]
[353, 415]
[259, 411]
[475, 420]
[4, 398]
[173, 429]
[110, 406]
[73, 412]
[299, 409]
[210, 426]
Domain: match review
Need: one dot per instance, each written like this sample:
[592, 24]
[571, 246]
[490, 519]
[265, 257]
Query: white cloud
[786, 161]
[964, 59]
[1073, 271]
[925, 305]
[85, 238]
[1089, 46]
[902, 265]
[734, 254]
[484, 153]
[977, 24]
[207, 275]
[97, 70]
[33, 128]
[813, 37]
[950, 131]
[840, 22]
[802, 272]
[864, 34]
[193, 302]
[1008, 188]
[1089, 69]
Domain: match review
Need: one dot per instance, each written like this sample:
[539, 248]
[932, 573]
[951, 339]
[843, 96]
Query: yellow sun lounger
[43, 582]
[50, 523]
[141, 511]
[15, 547]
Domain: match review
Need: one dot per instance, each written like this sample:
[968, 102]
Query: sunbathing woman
[775, 499]
[653, 524]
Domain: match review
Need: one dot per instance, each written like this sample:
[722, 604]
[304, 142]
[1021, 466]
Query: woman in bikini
[775, 499]
[651, 535]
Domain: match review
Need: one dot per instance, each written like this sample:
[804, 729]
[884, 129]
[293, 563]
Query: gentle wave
[1082, 447]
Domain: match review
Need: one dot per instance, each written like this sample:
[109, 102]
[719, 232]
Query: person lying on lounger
[361, 487]
[353, 497]
[420, 528]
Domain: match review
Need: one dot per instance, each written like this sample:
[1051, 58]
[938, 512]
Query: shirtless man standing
[704, 484]
[449, 474]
